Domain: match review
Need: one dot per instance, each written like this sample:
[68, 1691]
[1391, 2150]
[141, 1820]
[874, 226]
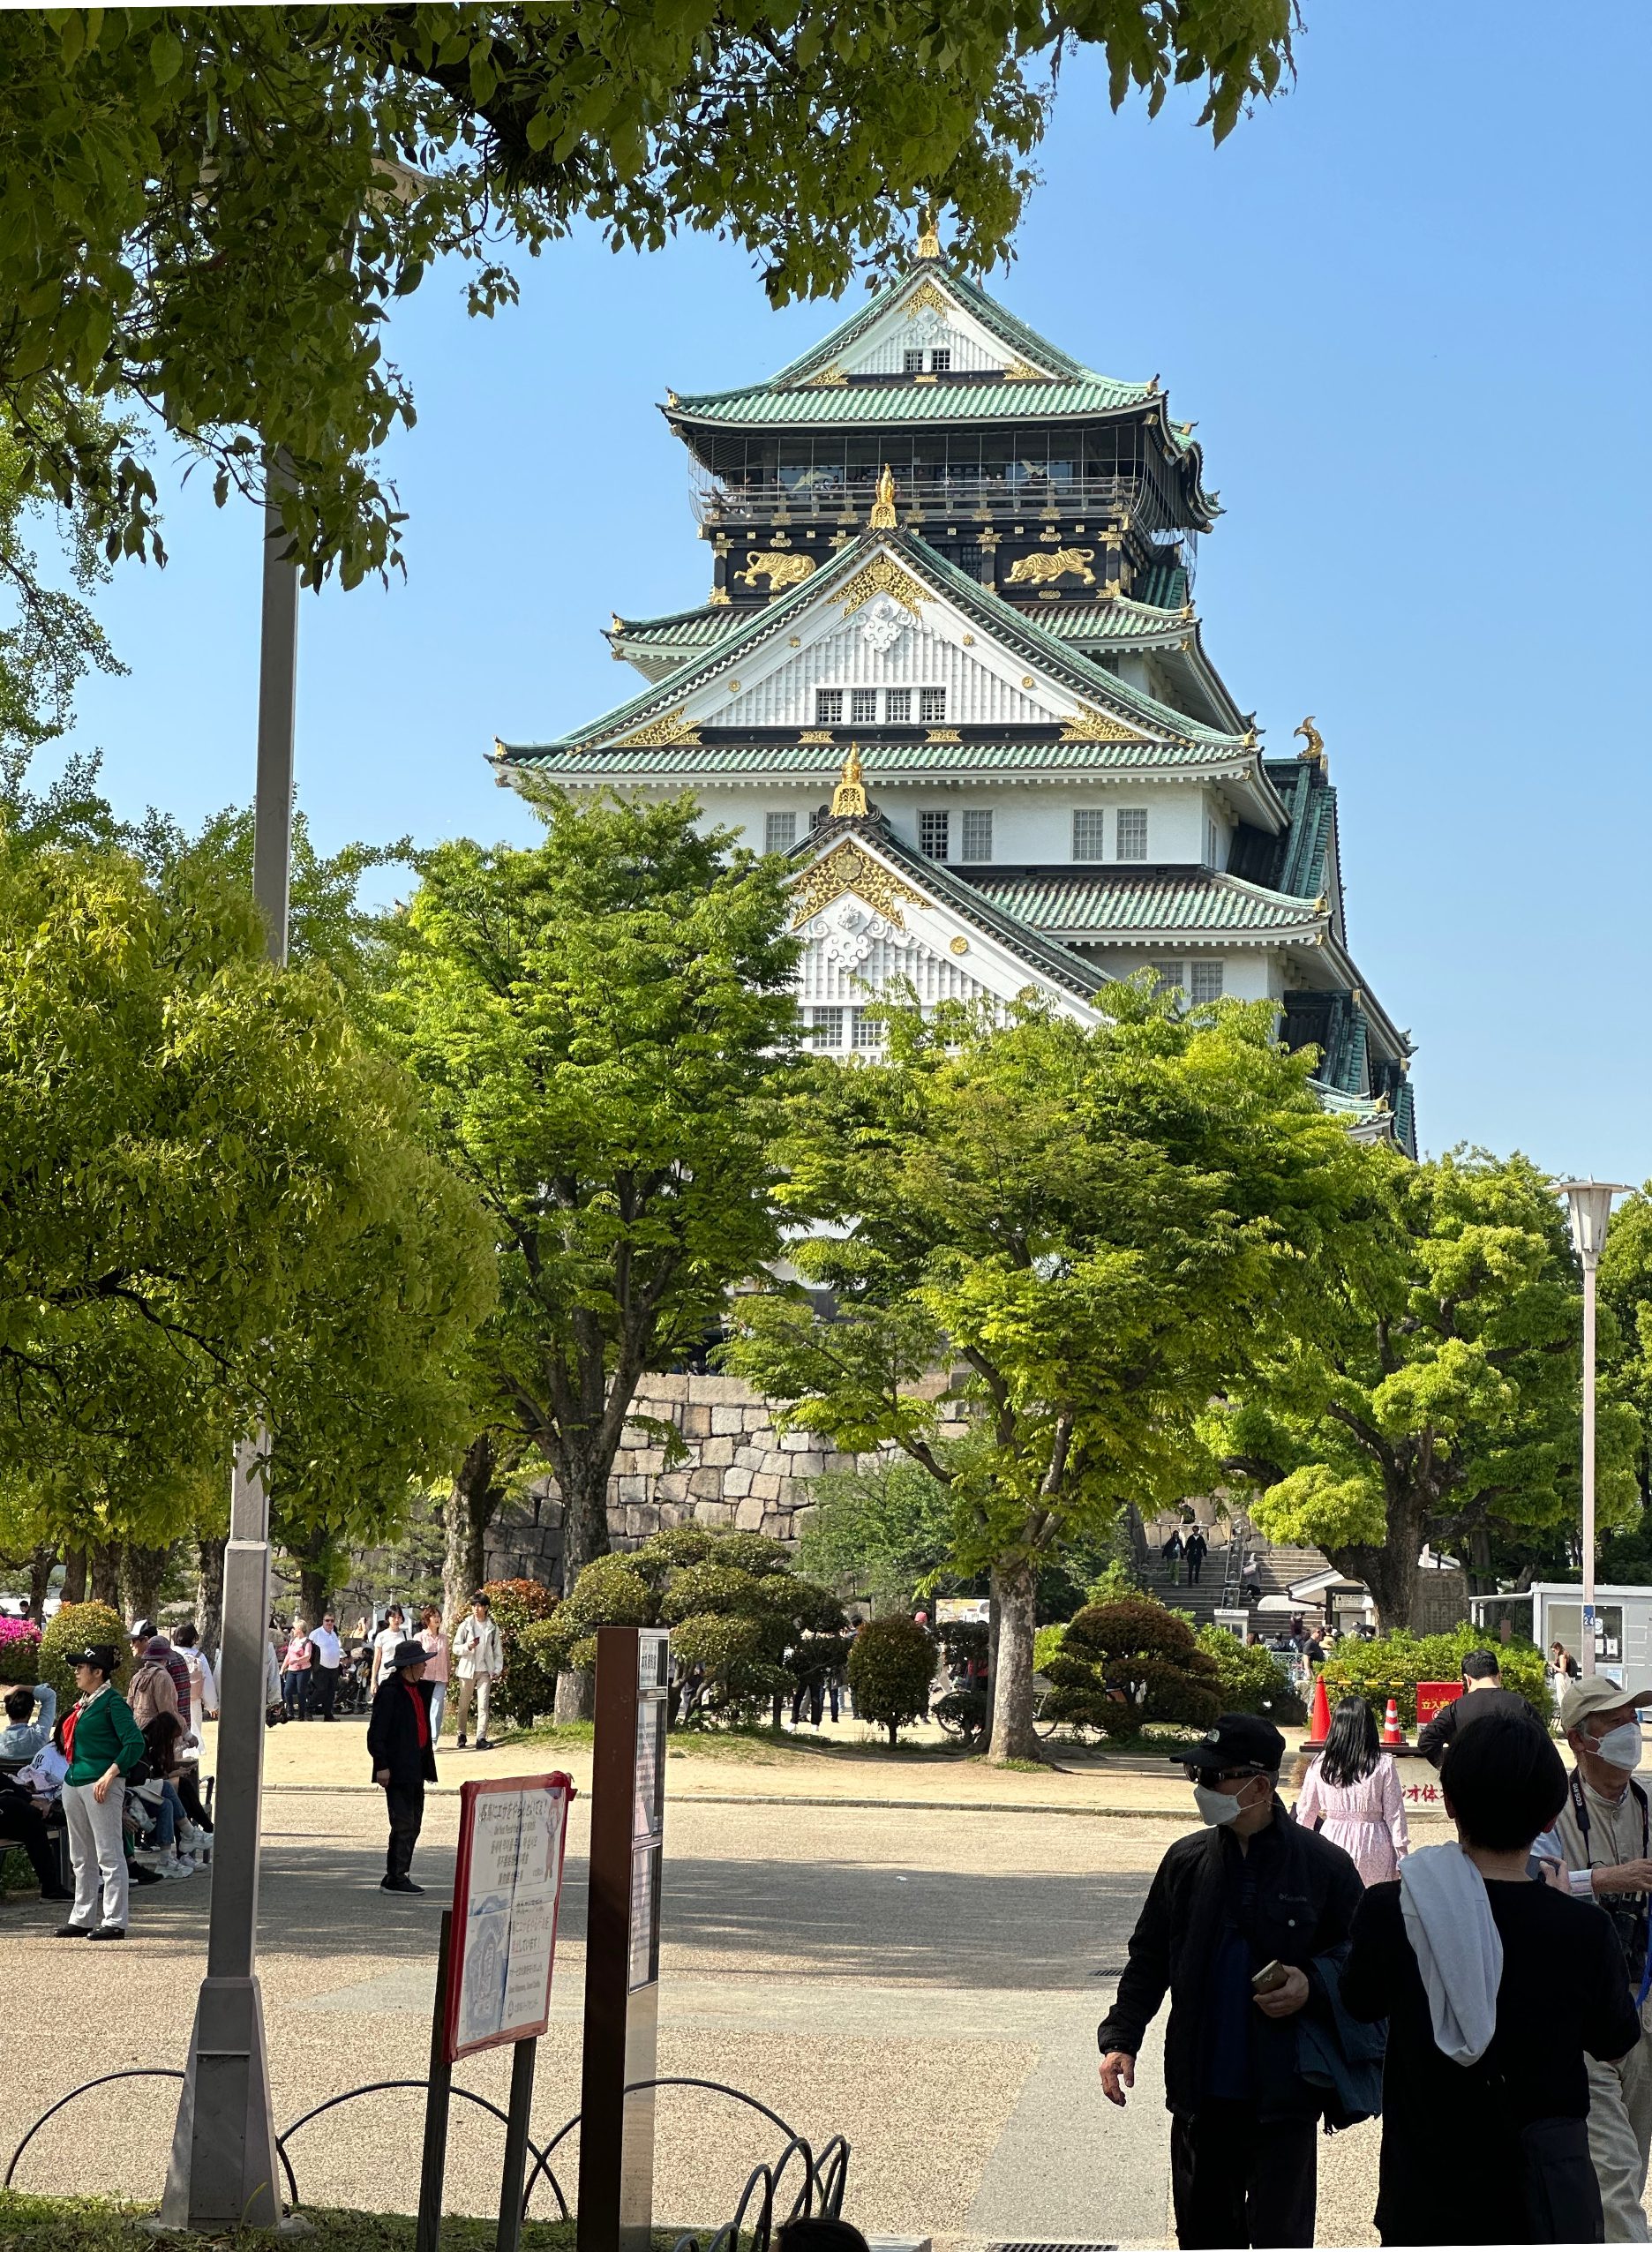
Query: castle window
[868, 1031]
[913, 363]
[1132, 834]
[933, 835]
[898, 707]
[779, 832]
[829, 707]
[978, 836]
[931, 707]
[1166, 976]
[863, 706]
[1089, 833]
[1206, 983]
[828, 1027]
[940, 362]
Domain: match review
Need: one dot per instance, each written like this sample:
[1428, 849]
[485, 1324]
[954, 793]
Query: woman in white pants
[102, 1743]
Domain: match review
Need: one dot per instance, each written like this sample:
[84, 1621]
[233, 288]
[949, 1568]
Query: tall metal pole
[223, 2166]
[1591, 1260]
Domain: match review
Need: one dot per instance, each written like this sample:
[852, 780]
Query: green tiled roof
[1119, 904]
[1008, 625]
[1024, 341]
[888, 762]
[990, 399]
[1312, 803]
[682, 632]
[1164, 585]
[1127, 623]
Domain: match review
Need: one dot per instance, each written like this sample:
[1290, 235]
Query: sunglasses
[1209, 1776]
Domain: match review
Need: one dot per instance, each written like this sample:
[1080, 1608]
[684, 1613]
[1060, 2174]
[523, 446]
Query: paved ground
[924, 1980]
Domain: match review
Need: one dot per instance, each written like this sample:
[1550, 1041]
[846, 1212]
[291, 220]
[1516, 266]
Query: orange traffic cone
[1391, 1731]
[1320, 1712]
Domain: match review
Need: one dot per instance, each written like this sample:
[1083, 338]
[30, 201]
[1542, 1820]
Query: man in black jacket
[1482, 1695]
[404, 1758]
[1250, 1892]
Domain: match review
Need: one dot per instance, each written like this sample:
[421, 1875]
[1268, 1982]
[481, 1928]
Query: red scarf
[421, 1713]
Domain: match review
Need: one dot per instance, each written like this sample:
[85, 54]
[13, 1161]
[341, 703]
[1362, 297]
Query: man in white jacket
[479, 1657]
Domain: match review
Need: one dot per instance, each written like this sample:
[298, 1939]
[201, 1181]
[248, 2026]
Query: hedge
[1251, 1680]
[79, 1626]
[1122, 1663]
[892, 1669]
[1392, 1665]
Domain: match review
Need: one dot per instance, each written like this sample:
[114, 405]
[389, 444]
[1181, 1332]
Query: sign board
[1432, 1697]
[1426, 1797]
[506, 1890]
[648, 1807]
[963, 1610]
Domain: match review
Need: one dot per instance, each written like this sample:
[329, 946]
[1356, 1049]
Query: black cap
[1237, 1741]
[98, 1654]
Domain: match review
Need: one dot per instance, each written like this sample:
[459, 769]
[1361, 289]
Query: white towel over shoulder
[1458, 1947]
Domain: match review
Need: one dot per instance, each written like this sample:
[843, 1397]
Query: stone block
[630, 1489]
[774, 1524]
[697, 1422]
[802, 1518]
[839, 1465]
[640, 1522]
[736, 1483]
[748, 1516]
[749, 1458]
[720, 1391]
[764, 1487]
[808, 1466]
[796, 1442]
[775, 1465]
[716, 1453]
[714, 1512]
[673, 1486]
[672, 1389]
[726, 1420]
[707, 1484]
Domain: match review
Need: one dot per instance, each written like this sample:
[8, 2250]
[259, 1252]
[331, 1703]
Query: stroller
[354, 1676]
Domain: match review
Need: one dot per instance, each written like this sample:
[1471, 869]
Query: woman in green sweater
[102, 1743]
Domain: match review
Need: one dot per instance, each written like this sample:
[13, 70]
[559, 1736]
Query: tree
[891, 1670]
[52, 640]
[1126, 1663]
[1626, 1293]
[217, 1210]
[239, 195]
[883, 1531]
[1093, 1230]
[1438, 1401]
[603, 1025]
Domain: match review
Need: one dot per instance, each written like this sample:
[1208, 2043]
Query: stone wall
[739, 1471]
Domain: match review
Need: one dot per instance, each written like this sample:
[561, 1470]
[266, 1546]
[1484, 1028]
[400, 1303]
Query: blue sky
[1407, 307]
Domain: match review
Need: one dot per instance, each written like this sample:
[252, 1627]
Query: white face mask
[1216, 1807]
[1621, 1746]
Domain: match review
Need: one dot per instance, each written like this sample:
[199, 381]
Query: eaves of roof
[1155, 902]
[890, 405]
[993, 317]
[739, 758]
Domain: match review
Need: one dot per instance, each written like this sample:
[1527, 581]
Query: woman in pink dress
[1351, 1794]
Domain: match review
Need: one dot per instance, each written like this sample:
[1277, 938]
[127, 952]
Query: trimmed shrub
[1123, 1663]
[20, 1653]
[1047, 1644]
[1393, 1664]
[79, 1626]
[1251, 1680]
[610, 1592]
[962, 1712]
[890, 1669]
[516, 1605]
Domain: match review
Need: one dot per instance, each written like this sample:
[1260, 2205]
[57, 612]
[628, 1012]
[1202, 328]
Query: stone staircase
[1278, 1568]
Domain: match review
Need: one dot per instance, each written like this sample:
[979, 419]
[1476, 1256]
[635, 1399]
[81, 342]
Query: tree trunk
[42, 1564]
[74, 1586]
[1389, 1572]
[312, 1555]
[106, 1574]
[1015, 1589]
[992, 1671]
[142, 1572]
[209, 1593]
[468, 1511]
[584, 1493]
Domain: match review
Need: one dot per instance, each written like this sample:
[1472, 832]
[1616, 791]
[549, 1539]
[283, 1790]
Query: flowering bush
[516, 1605]
[20, 1652]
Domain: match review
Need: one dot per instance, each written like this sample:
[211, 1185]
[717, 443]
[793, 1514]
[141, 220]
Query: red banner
[1432, 1697]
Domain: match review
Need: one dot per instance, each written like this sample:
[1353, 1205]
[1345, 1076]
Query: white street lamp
[1590, 1204]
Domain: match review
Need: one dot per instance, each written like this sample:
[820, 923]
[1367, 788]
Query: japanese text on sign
[506, 1893]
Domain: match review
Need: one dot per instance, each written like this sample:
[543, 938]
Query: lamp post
[1590, 1205]
[224, 2166]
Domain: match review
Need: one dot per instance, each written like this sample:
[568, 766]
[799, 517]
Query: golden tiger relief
[780, 569]
[1060, 563]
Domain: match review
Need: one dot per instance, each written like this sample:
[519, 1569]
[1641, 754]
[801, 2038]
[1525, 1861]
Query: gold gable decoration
[1089, 726]
[926, 298]
[659, 734]
[882, 576]
[829, 378]
[1023, 372]
[882, 517]
[848, 866]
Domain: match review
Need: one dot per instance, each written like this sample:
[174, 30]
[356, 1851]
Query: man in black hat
[1244, 1921]
[404, 1758]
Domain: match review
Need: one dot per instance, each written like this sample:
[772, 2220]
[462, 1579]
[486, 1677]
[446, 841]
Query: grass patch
[755, 1747]
[567, 1735]
[100, 2224]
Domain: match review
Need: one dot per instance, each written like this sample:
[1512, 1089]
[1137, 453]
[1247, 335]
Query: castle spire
[928, 239]
[849, 798]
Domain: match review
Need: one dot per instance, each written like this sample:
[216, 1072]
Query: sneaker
[460, 1745]
[73, 1931]
[399, 1884]
[485, 1744]
[139, 1875]
[175, 1870]
[108, 1932]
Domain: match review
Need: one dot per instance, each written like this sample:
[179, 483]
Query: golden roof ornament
[928, 239]
[882, 517]
[849, 798]
[1314, 739]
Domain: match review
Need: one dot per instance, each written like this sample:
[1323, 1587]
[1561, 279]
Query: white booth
[1623, 1623]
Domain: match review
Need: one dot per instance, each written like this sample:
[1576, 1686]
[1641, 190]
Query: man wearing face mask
[1603, 1843]
[1250, 1893]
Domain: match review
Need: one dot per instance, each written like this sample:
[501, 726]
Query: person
[1195, 1549]
[203, 1690]
[1564, 1670]
[386, 1643]
[328, 1653]
[1351, 1794]
[102, 1743]
[1313, 1651]
[1248, 1892]
[23, 1821]
[157, 1802]
[1171, 1552]
[1495, 1989]
[436, 1658]
[147, 1640]
[1601, 1845]
[153, 1689]
[1483, 1694]
[295, 1672]
[401, 1746]
[23, 1735]
[479, 1657]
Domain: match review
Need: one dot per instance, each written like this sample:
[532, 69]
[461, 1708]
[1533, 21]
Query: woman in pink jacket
[1351, 1794]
